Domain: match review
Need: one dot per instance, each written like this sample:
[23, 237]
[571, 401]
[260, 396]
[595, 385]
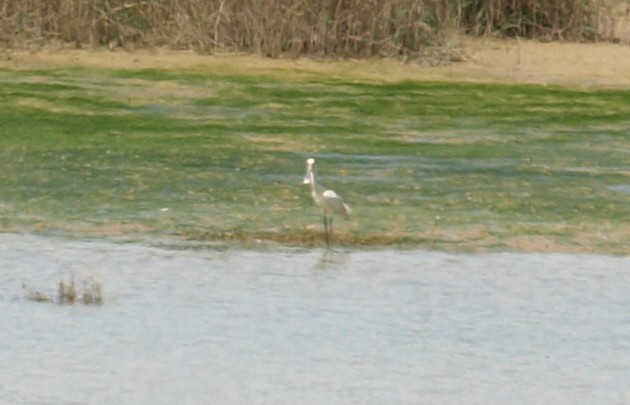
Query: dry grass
[271, 28]
[339, 28]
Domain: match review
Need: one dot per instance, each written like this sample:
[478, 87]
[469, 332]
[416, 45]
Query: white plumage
[327, 200]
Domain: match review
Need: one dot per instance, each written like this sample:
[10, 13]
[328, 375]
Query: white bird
[328, 200]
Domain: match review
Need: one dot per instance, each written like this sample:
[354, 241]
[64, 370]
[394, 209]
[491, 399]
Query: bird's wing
[333, 204]
[330, 194]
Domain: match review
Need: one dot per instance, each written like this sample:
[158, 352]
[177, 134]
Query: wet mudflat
[187, 323]
[203, 154]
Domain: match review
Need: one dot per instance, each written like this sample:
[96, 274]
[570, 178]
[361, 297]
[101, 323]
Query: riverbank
[584, 65]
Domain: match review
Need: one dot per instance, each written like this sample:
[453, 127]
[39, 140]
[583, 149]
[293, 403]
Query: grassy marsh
[208, 155]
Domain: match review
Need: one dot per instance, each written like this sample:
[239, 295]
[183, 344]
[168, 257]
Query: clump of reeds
[67, 292]
[92, 292]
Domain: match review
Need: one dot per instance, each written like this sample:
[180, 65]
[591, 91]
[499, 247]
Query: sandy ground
[587, 64]
[486, 60]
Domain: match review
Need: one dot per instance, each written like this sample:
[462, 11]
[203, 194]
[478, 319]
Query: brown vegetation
[473, 238]
[287, 27]
[67, 292]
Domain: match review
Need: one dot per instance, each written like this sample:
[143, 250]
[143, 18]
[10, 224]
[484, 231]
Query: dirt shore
[486, 60]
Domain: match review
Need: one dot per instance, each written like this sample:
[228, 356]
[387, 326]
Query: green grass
[200, 155]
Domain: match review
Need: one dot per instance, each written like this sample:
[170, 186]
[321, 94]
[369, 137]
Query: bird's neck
[316, 189]
[311, 177]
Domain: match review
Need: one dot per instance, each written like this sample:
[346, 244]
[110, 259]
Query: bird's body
[327, 200]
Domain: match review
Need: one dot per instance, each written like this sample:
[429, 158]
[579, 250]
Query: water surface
[194, 324]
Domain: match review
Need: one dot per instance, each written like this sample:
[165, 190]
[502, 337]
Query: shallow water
[201, 324]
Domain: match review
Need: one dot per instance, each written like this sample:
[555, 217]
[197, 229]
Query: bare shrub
[547, 19]
[340, 28]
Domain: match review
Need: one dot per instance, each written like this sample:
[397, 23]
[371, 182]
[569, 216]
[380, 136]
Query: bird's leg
[326, 231]
[330, 226]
